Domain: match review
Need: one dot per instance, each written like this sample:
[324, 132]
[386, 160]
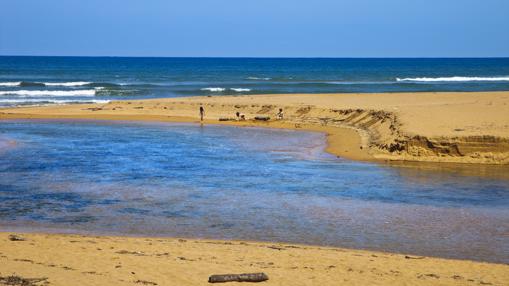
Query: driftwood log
[246, 277]
[226, 119]
[262, 118]
[14, 237]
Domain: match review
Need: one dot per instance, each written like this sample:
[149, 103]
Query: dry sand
[91, 260]
[434, 127]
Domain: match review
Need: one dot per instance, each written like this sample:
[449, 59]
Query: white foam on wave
[52, 101]
[454, 78]
[68, 84]
[71, 83]
[13, 83]
[214, 89]
[240, 89]
[258, 78]
[29, 93]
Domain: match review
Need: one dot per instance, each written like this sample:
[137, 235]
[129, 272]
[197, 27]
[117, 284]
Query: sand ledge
[430, 127]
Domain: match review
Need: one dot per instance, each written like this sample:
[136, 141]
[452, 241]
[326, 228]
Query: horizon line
[262, 57]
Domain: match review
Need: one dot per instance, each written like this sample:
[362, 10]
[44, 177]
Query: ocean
[63, 80]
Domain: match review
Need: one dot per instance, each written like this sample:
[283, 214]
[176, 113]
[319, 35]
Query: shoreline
[496, 171]
[133, 260]
[449, 127]
[116, 260]
[340, 141]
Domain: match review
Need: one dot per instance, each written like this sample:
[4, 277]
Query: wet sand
[457, 127]
[93, 260]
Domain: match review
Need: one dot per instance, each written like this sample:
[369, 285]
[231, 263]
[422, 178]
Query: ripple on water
[241, 183]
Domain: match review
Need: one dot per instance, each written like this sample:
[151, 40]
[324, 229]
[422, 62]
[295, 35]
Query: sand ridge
[467, 127]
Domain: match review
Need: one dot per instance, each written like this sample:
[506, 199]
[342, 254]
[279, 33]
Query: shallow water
[159, 179]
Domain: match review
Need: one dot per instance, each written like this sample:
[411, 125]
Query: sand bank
[434, 127]
[92, 260]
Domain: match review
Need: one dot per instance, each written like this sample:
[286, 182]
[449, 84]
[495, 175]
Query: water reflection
[416, 169]
[241, 183]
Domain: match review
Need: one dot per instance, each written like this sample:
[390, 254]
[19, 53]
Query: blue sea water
[46, 80]
[222, 182]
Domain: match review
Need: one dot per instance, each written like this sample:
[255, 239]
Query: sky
[255, 28]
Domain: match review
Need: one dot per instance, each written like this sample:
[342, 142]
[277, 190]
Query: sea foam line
[57, 101]
[85, 92]
[68, 84]
[214, 89]
[220, 89]
[13, 83]
[71, 83]
[258, 78]
[454, 78]
[240, 89]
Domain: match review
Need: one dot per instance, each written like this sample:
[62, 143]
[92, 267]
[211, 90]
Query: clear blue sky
[258, 28]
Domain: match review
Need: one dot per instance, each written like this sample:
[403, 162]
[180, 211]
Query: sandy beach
[432, 127]
[93, 260]
[152, 143]
[468, 127]
[291, 143]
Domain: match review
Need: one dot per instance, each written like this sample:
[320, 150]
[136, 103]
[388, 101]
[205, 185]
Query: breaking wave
[71, 83]
[14, 83]
[258, 78]
[454, 78]
[221, 89]
[49, 101]
[240, 89]
[30, 83]
[28, 93]
[214, 89]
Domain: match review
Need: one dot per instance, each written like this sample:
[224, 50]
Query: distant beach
[469, 127]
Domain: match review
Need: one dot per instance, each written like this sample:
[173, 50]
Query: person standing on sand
[202, 113]
[279, 115]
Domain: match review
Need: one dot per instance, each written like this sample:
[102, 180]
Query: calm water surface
[163, 179]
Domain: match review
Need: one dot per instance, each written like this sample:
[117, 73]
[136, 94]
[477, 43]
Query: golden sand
[434, 127]
[92, 260]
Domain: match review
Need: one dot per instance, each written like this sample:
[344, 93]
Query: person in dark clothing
[202, 113]
[279, 115]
